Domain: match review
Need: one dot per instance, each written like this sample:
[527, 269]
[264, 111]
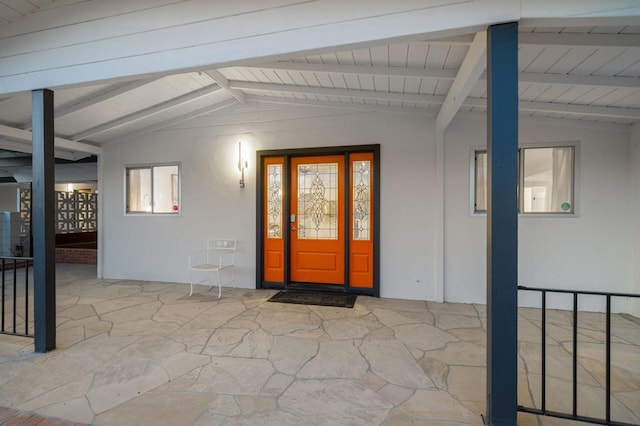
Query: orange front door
[316, 220]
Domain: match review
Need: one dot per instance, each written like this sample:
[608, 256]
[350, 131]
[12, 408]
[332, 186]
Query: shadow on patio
[133, 352]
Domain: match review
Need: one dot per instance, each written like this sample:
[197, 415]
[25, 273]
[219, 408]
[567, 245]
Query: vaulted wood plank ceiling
[572, 73]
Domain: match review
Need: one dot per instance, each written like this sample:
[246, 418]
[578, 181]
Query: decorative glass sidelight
[361, 200]
[318, 201]
[274, 201]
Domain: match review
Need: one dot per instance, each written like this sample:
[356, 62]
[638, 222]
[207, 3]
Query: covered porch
[409, 78]
[143, 352]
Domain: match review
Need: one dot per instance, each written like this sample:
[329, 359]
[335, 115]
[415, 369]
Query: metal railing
[574, 412]
[11, 292]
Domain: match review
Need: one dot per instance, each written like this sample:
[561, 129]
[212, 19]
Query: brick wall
[76, 255]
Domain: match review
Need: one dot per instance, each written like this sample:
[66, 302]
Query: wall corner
[634, 147]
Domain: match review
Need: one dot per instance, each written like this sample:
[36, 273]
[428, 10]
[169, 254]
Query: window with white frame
[153, 189]
[546, 178]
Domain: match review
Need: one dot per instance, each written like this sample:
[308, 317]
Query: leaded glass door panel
[273, 227]
[317, 219]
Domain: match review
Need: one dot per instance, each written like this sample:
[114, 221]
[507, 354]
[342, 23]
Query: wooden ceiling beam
[450, 74]
[340, 105]
[147, 112]
[344, 93]
[571, 109]
[473, 65]
[101, 96]
[179, 119]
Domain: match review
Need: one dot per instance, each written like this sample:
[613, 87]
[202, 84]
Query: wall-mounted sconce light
[242, 164]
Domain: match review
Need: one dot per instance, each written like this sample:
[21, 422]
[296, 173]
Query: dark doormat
[339, 300]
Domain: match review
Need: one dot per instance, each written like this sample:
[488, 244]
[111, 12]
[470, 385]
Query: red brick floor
[11, 417]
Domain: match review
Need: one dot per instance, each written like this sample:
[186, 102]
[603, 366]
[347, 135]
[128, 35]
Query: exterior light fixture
[242, 164]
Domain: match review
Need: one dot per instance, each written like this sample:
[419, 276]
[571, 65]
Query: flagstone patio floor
[133, 353]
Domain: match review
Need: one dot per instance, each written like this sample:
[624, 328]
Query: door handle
[293, 228]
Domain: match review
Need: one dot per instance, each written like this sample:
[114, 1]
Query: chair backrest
[229, 245]
[224, 250]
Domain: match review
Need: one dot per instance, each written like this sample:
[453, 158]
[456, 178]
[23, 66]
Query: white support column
[474, 64]
[634, 145]
[439, 241]
[100, 265]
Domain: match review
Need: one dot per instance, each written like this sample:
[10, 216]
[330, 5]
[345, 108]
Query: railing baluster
[15, 294]
[608, 361]
[14, 262]
[574, 415]
[575, 354]
[544, 351]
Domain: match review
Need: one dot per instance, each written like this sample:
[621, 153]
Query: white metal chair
[220, 255]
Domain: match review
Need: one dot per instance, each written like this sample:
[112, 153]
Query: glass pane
[274, 201]
[361, 197]
[318, 201]
[548, 180]
[481, 182]
[139, 186]
[165, 189]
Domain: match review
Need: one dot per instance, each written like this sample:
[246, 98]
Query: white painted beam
[95, 98]
[77, 146]
[28, 149]
[585, 12]
[16, 162]
[340, 105]
[344, 93]
[579, 80]
[208, 35]
[630, 19]
[430, 73]
[571, 109]
[577, 39]
[101, 96]
[574, 109]
[179, 119]
[525, 117]
[449, 74]
[565, 39]
[473, 65]
[95, 40]
[223, 82]
[147, 112]
[24, 136]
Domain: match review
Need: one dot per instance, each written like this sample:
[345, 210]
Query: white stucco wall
[591, 251]
[635, 214]
[213, 205]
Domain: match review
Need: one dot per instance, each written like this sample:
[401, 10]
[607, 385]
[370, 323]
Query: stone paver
[145, 353]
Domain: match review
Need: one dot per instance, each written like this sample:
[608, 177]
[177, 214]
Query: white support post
[100, 265]
[439, 241]
[634, 146]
